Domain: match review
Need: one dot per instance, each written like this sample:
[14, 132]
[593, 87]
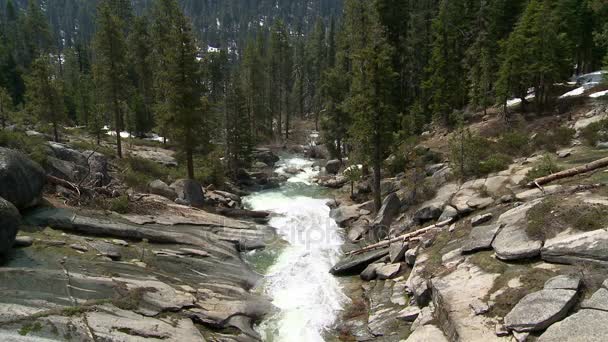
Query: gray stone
[480, 238]
[512, 242]
[369, 273]
[598, 301]
[333, 166]
[521, 336]
[344, 214]
[563, 282]
[564, 153]
[189, 191]
[396, 251]
[583, 326]
[427, 333]
[479, 307]
[79, 247]
[21, 179]
[388, 212]
[158, 187]
[106, 249]
[501, 330]
[428, 211]
[23, 241]
[481, 219]
[410, 256]
[448, 213]
[433, 168]
[388, 271]
[584, 247]
[353, 264]
[9, 225]
[409, 314]
[538, 310]
[356, 232]
[265, 155]
[388, 186]
[425, 317]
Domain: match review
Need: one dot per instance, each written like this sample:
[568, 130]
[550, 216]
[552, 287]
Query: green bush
[552, 140]
[595, 132]
[210, 169]
[120, 204]
[34, 146]
[546, 167]
[514, 144]
[475, 156]
[139, 172]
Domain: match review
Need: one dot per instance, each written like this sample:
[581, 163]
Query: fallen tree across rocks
[538, 182]
[402, 238]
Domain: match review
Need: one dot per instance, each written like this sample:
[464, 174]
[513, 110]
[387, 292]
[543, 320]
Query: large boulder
[189, 192]
[513, 242]
[21, 179]
[538, 310]
[480, 238]
[158, 187]
[333, 166]
[354, 264]
[585, 325]
[265, 155]
[98, 168]
[389, 210]
[584, 247]
[9, 225]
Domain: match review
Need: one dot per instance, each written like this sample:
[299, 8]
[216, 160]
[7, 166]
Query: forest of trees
[370, 73]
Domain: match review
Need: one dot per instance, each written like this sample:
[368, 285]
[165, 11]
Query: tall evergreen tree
[111, 66]
[142, 73]
[6, 106]
[281, 76]
[44, 94]
[371, 91]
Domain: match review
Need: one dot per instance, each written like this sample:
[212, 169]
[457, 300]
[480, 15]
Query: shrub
[546, 167]
[139, 172]
[595, 132]
[34, 146]
[120, 204]
[210, 169]
[473, 155]
[552, 140]
[514, 144]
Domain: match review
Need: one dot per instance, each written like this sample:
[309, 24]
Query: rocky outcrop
[265, 155]
[538, 310]
[158, 187]
[9, 225]
[21, 180]
[75, 166]
[388, 212]
[189, 192]
[480, 238]
[513, 242]
[354, 264]
[333, 166]
[585, 325]
[583, 247]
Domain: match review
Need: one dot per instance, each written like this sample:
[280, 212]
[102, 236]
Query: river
[297, 278]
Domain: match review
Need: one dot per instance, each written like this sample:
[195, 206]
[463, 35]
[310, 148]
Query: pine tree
[184, 114]
[238, 133]
[37, 34]
[44, 94]
[142, 73]
[111, 66]
[6, 106]
[369, 101]
[254, 84]
[280, 69]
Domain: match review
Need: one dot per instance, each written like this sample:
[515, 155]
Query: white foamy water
[299, 283]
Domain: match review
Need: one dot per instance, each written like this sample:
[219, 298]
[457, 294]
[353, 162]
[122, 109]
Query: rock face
[21, 180]
[388, 211]
[75, 166]
[585, 325]
[265, 156]
[189, 191]
[512, 242]
[333, 166]
[353, 264]
[9, 225]
[589, 246]
[538, 310]
[388, 271]
[480, 238]
[161, 188]
[344, 214]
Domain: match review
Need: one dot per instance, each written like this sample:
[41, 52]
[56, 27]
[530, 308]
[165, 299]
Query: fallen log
[58, 181]
[569, 173]
[401, 238]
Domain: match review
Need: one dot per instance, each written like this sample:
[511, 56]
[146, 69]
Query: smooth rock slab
[512, 242]
[598, 301]
[397, 251]
[427, 333]
[481, 219]
[583, 326]
[563, 282]
[589, 246]
[538, 310]
[9, 225]
[356, 263]
[409, 314]
[480, 238]
[388, 271]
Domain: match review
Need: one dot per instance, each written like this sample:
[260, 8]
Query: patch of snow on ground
[599, 94]
[575, 92]
[515, 102]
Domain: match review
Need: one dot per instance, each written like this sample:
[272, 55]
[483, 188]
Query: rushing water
[299, 283]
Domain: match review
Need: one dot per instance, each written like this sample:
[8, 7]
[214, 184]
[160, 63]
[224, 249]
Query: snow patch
[599, 94]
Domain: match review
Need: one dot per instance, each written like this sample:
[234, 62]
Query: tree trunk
[377, 174]
[55, 132]
[190, 163]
